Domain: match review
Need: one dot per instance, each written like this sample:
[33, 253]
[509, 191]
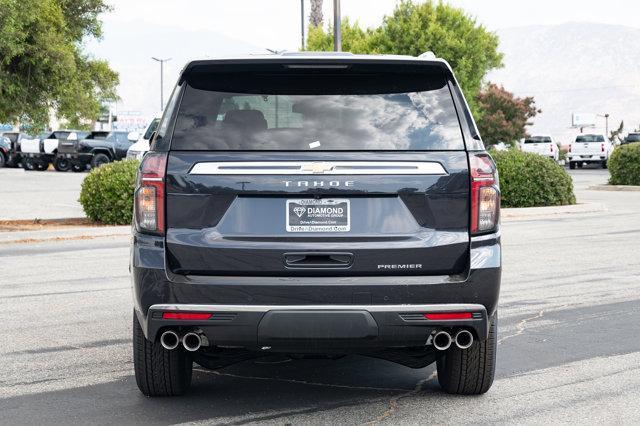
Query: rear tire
[470, 371]
[41, 167]
[77, 168]
[159, 372]
[62, 164]
[580, 164]
[604, 164]
[99, 160]
[572, 165]
[3, 161]
[27, 164]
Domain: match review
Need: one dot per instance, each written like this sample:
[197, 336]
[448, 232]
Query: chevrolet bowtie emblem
[317, 168]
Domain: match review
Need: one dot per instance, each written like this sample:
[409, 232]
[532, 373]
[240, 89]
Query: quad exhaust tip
[191, 341]
[169, 340]
[464, 339]
[442, 341]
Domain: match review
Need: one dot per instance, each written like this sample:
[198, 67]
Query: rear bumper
[319, 328]
[587, 158]
[82, 158]
[240, 304]
[40, 156]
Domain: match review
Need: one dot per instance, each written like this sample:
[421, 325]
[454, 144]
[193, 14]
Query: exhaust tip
[464, 339]
[169, 340]
[191, 342]
[442, 341]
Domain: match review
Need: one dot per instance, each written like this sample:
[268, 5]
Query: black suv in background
[95, 149]
[316, 205]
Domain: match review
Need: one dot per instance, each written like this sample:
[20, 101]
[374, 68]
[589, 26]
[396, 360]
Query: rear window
[11, 136]
[59, 135]
[590, 138]
[538, 139]
[98, 135]
[633, 137]
[320, 111]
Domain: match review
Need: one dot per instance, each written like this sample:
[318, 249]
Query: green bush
[624, 165]
[531, 180]
[107, 192]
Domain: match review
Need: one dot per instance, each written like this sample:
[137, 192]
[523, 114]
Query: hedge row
[107, 192]
[531, 180]
[624, 165]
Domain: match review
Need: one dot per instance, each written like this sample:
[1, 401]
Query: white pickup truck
[542, 145]
[589, 149]
[38, 153]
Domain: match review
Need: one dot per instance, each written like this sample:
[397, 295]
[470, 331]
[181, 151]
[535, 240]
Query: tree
[413, 29]
[616, 134]
[42, 65]
[504, 117]
[315, 17]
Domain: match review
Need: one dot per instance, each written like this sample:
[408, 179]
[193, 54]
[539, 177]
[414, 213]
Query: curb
[629, 188]
[541, 213]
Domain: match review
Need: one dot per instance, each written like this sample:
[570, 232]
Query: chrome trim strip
[370, 308]
[486, 257]
[319, 168]
[486, 237]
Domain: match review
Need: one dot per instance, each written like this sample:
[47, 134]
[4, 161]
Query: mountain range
[573, 68]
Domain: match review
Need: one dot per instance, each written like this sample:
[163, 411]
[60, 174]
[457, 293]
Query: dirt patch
[41, 224]
[52, 239]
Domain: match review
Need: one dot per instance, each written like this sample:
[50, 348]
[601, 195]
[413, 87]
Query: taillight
[149, 195]
[569, 147]
[485, 194]
[551, 147]
[602, 147]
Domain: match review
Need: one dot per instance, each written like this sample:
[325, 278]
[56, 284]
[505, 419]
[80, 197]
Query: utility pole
[302, 24]
[606, 123]
[162, 61]
[337, 35]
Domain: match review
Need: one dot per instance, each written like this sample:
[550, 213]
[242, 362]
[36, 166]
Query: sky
[187, 29]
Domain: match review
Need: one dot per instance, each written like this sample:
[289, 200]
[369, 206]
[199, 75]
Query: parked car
[96, 149]
[631, 138]
[139, 148]
[359, 216]
[14, 155]
[39, 152]
[542, 145]
[589, 149]
[5, 146]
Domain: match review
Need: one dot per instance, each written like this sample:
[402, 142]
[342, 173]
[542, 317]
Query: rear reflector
[186, 315]
[449, 316]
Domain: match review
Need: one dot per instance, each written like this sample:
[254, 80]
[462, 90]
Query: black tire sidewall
[99, 160]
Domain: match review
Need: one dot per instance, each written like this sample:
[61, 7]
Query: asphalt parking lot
[568, 347]
[42, 195]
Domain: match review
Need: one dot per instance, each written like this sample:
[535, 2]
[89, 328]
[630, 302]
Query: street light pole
[162, 61]
[302, 24]
[337, 34]
[606, 123]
